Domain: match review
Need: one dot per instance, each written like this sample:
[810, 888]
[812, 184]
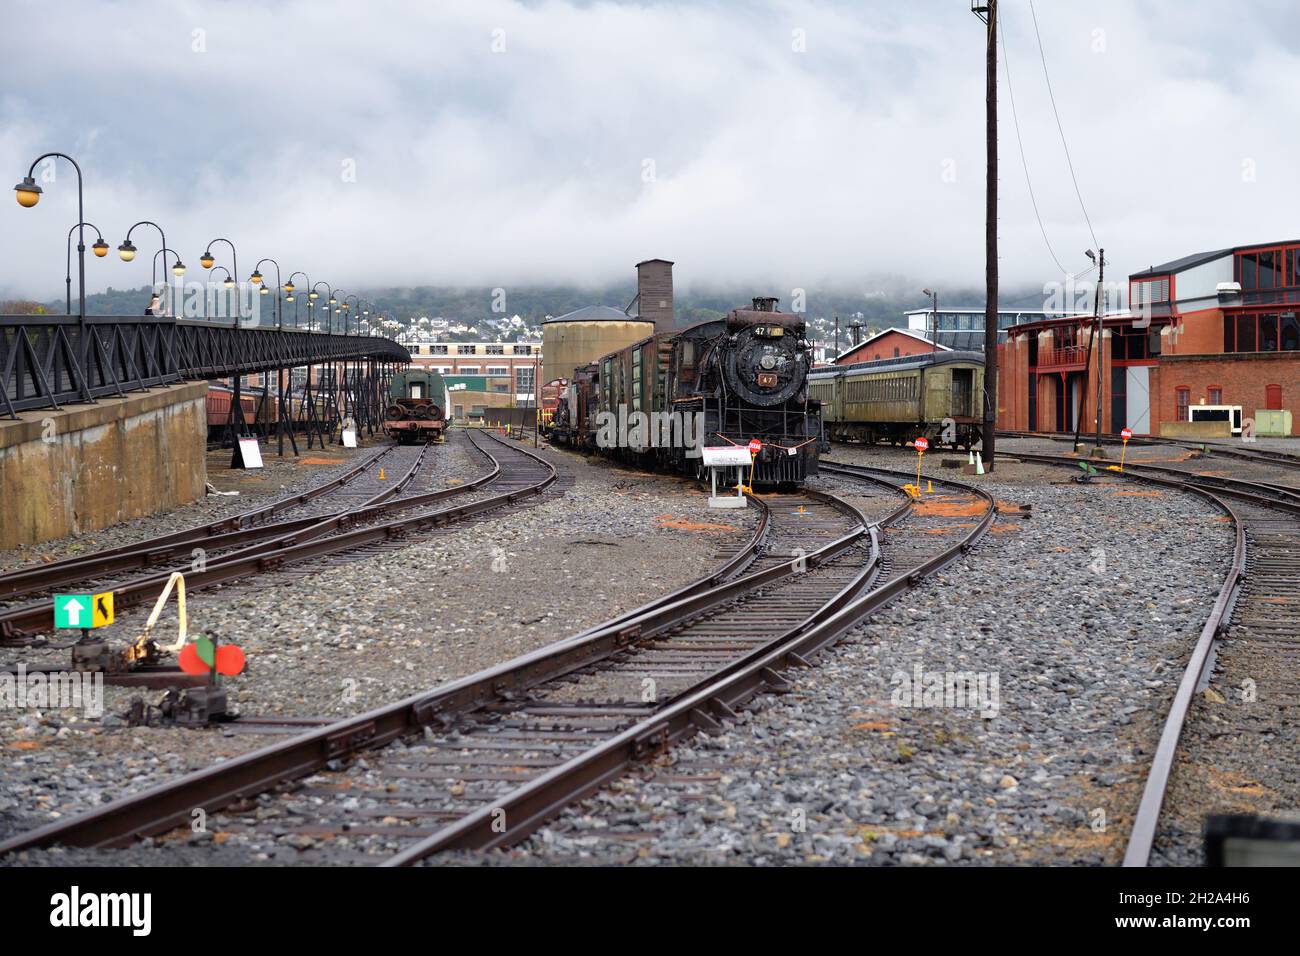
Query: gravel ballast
[1083, 613]
[350, 637]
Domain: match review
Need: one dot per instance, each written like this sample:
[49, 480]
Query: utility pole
[837, 338]
[934, 312]
[1096, 309]
[1095, 339]
[989, 15]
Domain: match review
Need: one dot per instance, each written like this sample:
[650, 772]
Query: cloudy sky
[496, 142]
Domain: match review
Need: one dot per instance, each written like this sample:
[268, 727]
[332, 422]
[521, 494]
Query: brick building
[505, 368]
[889, 343]
[1213, 335]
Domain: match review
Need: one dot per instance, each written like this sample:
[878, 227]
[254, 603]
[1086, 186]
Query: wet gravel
[351, 637]
[1084, 614]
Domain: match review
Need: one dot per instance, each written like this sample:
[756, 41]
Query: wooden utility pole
[989, 14]
[1096, 308]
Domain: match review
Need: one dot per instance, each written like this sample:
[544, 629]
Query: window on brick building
[1273, 396]
[1183, 399]
[1214, 395]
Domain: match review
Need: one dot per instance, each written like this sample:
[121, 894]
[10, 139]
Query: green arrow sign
[73, 610]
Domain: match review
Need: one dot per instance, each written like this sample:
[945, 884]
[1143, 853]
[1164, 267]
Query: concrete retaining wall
[90, 466]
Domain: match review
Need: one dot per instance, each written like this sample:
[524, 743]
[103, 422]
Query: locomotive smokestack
[654, 288]
[765, 304]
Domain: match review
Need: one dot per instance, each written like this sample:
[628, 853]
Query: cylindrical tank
[579, 338]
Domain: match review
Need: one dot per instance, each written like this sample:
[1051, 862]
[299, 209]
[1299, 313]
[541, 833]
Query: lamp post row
[28, 193]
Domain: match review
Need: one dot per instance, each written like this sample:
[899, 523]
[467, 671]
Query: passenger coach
[937, 396]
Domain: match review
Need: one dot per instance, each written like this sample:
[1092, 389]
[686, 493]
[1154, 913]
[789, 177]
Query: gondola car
[417, 406]
[722, 382]
[937, 395]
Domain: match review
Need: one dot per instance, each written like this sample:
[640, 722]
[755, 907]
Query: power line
[1015, 120]
[1059, 128]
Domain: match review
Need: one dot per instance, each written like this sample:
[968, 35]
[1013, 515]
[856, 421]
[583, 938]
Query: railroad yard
[1077, 608]
[528, 455]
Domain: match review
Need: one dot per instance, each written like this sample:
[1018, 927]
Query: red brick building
[889, 343]
[1215, 329]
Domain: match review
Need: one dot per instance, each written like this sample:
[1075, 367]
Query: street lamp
[100, 249]
[207, 259]
[227, 282]
[346, 310]
[126, 251]
[289, 295]
[312, 295]
[178, 267]
[256, 279]
[28, 194]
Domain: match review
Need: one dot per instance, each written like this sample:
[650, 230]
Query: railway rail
[1258, 456]
[484, 760]
[1252, 632]
[515, 474]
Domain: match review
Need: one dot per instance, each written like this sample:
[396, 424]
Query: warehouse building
[1210, 345]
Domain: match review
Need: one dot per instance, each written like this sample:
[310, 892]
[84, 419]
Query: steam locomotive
[418, 406]
[721, 382]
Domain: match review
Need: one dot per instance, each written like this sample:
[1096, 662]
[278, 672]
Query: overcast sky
[774, 144]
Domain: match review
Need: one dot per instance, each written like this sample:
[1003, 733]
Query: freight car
[938, 396]
[417, 406]
[721, 382]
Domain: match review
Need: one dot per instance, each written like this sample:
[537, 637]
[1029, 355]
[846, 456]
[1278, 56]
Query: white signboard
[349, 438]
[726, 455]
[250, 452]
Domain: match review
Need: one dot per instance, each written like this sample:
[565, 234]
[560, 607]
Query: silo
[580, 337]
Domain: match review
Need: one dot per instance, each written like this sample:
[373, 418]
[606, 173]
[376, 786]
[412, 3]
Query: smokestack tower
[654, 289]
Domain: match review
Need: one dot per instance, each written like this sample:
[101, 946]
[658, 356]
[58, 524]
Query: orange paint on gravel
[946, 507]
[679, 524]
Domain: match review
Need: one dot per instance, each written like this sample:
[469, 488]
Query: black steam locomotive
[723, 382]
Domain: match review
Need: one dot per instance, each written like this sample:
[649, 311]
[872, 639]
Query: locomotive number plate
[766, 380]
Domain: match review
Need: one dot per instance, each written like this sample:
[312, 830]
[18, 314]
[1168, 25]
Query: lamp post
[934, 311]
[28, 194]
[256, 279]
[356, 299]
[207, 259]
[126, 251]
[100, 248]
[330, 301]
[290, 297]
[228, 282]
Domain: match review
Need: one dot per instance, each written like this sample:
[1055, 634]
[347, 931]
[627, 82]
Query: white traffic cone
[970, 457]
[979, 463]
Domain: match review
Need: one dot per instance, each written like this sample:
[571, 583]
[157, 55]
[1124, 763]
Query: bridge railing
[47, 361]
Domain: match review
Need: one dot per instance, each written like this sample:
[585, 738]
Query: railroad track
[1273, 457]
[1251, 635]
[484, 760]
[515, 473]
